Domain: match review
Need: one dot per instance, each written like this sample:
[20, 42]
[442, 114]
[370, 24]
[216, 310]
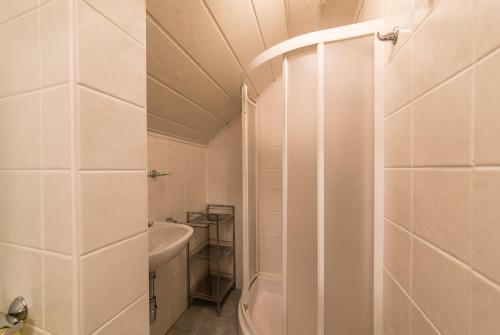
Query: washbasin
[166, 240]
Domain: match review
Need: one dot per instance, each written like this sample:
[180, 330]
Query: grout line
[34, 249]
[77, 308]
[120, 313]
[110, 95]
[433, 246]
[35, 90]
[113, 244]
[109, 20]
[18, 16]
[412, 302]
[41, 176]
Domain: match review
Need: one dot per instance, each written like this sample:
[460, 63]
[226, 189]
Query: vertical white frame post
[246, 248]
[285, 192]
[378, 188]
[320, 161]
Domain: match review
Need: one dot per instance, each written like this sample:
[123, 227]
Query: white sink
[166, 240]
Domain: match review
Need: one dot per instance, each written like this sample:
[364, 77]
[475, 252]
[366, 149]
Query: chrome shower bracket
[392, 36]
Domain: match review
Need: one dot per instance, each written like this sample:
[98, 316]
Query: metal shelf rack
[216, 284]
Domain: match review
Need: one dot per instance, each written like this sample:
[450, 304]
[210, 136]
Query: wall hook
[392, 36]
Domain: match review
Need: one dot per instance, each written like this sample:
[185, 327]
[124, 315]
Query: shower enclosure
[332, 187]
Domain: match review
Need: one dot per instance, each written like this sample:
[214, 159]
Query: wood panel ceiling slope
[197, 51]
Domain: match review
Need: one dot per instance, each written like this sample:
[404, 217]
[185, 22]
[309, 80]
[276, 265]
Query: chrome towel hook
[392, 36]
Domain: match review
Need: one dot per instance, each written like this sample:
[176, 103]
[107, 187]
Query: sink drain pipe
[152, 298]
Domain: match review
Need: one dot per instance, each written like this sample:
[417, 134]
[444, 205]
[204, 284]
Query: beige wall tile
[397, 197]
[420, 325]
[216, 179]
[485, 306]
[270, 243]
[21, 208]
[397, 254]
[157, 153]
[270, 200]
[20, 132]
[271, 264]
[487, 122]
[20, 56]
[485, 227]
[176, 156]
[57, 212]
[441, 124]
[178, 207]
[23, 278]
[398, 80]
[271, 135]
[56, 111]
[270, 179]
[270, 157]
[131, 321]
[196, 159]
[129, 15]
[112, 207]
[398, 13]
[387, 329]
[99, 41]
[488, 30]
[177, 181]
[271, 222]
[11, 9]
[58, 282]
[158, 209]
[442, 211]
[421, 8]
[397, 138]
[439, 56]
[111, 133]
[104, 290]
[396, 308]
[196, 181]
[440, 286]
[158, 188]
[55, 42]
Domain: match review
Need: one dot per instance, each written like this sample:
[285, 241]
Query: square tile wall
[225, 183]
[441, 269]
[185, 189]
[270, 126]
[72, 152]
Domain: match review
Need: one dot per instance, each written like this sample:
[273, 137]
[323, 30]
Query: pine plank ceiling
[198, 49]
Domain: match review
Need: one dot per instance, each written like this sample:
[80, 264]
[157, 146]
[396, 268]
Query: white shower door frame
[319, 39]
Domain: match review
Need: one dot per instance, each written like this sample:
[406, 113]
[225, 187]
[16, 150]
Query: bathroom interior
[253, 167]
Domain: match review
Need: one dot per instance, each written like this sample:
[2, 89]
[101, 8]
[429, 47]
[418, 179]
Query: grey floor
[202, 319]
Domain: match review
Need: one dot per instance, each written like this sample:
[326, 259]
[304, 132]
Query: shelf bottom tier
[207, 288]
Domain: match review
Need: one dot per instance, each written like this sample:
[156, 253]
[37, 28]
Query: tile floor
[202, 319]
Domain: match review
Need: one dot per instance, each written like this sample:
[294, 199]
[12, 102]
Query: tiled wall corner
[36, 230]
[442, 168]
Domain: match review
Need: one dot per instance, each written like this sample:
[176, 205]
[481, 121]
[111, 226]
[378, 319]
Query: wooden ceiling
[197, 51]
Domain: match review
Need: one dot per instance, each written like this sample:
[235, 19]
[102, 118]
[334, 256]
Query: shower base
[264, 313]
